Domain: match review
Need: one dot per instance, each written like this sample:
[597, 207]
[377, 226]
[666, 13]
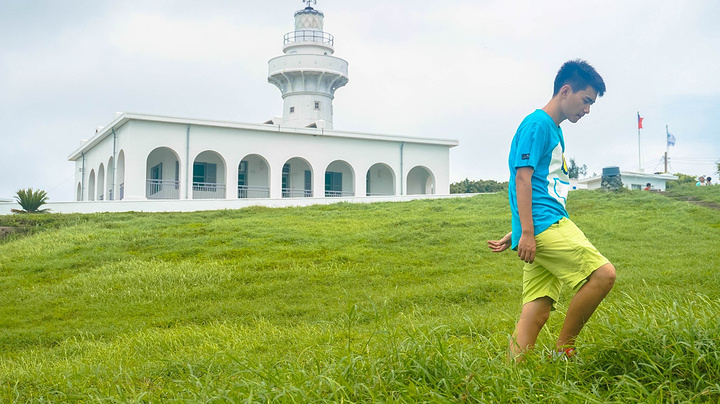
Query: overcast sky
[466, 70]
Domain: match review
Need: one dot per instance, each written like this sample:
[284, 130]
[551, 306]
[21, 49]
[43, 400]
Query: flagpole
[667, 146]
[640, 167]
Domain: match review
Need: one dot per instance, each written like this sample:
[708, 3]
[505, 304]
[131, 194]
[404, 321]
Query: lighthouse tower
[307, 74]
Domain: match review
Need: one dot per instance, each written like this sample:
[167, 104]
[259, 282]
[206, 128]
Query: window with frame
[242, 173]
[333, 183]
[286, 176]
[317, 105]
[177, 174]
[205, 173]
[308, 183]
[242, 179]
[156, 172]
[156, 175]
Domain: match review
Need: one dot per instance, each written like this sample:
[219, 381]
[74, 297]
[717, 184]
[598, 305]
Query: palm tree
[30, 201]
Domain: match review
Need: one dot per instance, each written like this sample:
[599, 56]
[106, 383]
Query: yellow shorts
[563, 256]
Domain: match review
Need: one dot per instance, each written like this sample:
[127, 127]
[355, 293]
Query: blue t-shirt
[539, 143]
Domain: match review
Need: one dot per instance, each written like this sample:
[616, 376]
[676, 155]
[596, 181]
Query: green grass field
[387, 302]
[702, 195]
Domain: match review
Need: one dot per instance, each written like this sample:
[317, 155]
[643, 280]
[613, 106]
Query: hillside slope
[397, 302]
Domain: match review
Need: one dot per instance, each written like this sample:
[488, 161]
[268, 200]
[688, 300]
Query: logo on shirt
[525, 156]
[558, 181]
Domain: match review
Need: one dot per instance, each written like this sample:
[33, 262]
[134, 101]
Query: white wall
[138, 138]
[639, 182]
[209, 204]
[100, 154]
[633, 181]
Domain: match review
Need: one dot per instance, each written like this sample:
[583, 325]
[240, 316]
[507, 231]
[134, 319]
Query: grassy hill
[390, 302]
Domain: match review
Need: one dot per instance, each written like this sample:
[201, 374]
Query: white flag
[670, 139]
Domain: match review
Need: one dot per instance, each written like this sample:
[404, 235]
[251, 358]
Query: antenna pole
[667, 146]
[640, 166]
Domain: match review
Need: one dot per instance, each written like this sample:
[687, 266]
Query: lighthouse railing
[308, 35]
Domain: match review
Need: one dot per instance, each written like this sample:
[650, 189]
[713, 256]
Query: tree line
[481, 186]
[475, 187]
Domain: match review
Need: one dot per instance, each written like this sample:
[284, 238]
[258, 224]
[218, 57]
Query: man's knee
[537, 312]
[542, 318]
[605, 275]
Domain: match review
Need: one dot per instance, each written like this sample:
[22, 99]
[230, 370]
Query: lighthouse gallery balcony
[303, 62]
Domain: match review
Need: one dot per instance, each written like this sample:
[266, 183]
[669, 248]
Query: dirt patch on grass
[6, 231]
[693, 200]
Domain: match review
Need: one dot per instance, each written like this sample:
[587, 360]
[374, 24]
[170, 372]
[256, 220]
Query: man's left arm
[526, 245]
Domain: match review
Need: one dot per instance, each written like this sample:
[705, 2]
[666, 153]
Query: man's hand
[526, 248]
[500, 245]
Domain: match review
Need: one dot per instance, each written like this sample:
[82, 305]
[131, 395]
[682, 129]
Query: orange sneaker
[563, 354]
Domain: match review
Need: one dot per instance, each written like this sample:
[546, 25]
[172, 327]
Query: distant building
[299, 155]
[631, 180]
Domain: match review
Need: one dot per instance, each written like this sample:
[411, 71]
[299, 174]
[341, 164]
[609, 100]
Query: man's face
[575, 105]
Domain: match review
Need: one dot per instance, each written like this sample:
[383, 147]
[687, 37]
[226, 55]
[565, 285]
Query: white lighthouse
[307, 74]
[143, 162]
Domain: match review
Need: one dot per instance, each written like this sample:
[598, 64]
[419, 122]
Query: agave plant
[31, 201]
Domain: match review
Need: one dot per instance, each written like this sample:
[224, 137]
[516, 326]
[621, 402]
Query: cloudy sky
[461, 69]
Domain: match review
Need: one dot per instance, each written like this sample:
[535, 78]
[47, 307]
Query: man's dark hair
[579, 74]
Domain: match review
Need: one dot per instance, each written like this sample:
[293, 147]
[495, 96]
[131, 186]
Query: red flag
[640, 121]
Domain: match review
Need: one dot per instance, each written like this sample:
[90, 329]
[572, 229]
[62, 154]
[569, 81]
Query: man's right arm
[523, 188]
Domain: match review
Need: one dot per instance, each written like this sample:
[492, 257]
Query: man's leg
[584, 303]
[533, 317]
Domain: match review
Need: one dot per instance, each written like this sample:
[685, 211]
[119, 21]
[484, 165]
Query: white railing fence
[251, 191]
[162, 189]
[296, 193]
[338, 194]
[208, 190]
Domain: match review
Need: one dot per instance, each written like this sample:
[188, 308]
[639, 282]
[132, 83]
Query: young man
[554, 250]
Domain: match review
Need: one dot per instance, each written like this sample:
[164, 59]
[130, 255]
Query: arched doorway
[380, 180]
[162, 177]
[339, 179]
[253, 177]
[101, 183]
[297, 178]
[420, 181]
[91, 186]
[209, 176]
[109, 184]
[121, 175]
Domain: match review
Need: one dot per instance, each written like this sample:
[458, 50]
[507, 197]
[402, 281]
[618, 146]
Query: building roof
[126, 117]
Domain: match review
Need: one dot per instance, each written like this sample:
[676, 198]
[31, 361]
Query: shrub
[31, 201]
[683, 179]
[473, 187]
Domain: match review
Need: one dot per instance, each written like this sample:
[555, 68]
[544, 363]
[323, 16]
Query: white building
[141, 157]
[631, 180]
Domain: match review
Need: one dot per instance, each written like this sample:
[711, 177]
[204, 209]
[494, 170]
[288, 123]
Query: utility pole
[640, 165]
[667, 146]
